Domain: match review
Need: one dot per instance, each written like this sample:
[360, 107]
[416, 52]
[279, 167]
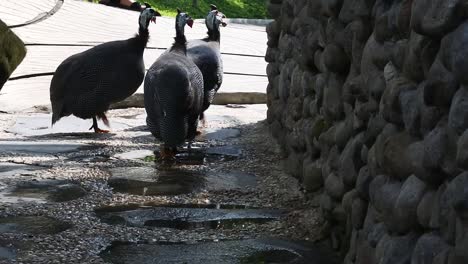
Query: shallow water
[180, 217]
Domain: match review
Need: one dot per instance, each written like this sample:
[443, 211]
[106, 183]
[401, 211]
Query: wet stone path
[71, 196]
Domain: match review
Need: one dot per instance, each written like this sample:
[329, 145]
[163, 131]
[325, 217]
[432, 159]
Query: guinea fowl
[85, 84]
[174, 93]
[206, 55]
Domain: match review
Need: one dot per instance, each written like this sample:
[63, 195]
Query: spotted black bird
[87, 83]
[205, 53]
[174, 93]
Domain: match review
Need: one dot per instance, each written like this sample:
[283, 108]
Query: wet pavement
[71, 196]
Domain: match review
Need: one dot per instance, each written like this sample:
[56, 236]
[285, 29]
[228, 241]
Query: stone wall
[369, 102]
[12, 52]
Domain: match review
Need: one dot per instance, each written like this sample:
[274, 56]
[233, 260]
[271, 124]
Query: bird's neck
[180, 43]
[142, 37]
[214, 35]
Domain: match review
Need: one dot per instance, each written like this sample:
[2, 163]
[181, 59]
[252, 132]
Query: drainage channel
[266, 250]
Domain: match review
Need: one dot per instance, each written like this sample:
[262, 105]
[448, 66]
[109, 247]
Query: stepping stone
[7, 253]
[33, 225]
[43, 191]
[43, 147]
[221, 134]
[152, 182]
[93, 158]
[180, 217]
[240, 251]
[140, 154]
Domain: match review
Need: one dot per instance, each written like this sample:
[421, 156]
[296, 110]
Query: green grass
[231, 8]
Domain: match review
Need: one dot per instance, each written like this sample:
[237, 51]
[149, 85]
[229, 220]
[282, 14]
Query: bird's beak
[190, 22]
[222, 20]
[153, 19]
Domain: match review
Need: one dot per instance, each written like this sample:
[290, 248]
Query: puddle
[32, 225]
[42, 191]
[43, 147]
[199, 156]
[232, 180]
[196, 156]
[11, 169]
[151, 181]
[7, 253]
[186, 217]
[239, 251]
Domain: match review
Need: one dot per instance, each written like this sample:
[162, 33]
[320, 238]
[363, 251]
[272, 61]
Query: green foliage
[149, 158]
[231, 8]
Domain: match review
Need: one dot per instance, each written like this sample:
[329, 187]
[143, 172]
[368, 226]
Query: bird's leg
[103, 117]
[167, 153]
[189, 148]
[204, 122]
[202, 118]
[96, 128]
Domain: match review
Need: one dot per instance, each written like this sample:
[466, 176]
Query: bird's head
[183, 19]
[215, 18]
[147, 15]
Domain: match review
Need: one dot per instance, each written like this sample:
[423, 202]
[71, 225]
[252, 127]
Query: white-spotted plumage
[85, 84]
[174, 92]
[205, 53]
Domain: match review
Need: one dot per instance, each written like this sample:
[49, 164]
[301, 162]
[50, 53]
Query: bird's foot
[101, 131]
[97, 130]
[167, 154]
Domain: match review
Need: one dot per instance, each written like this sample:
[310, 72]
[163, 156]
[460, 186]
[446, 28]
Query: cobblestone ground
[71, 196]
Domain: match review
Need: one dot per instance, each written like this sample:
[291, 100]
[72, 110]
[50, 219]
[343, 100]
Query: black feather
[174, 95]
[86, 83]
[205, 53]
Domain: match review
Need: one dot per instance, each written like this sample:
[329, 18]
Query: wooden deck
[77, 26]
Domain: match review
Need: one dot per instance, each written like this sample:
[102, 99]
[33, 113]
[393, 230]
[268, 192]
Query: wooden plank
[14, 12]
[40, 59]
[80, 23]
[86, 23]
[21, 95]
